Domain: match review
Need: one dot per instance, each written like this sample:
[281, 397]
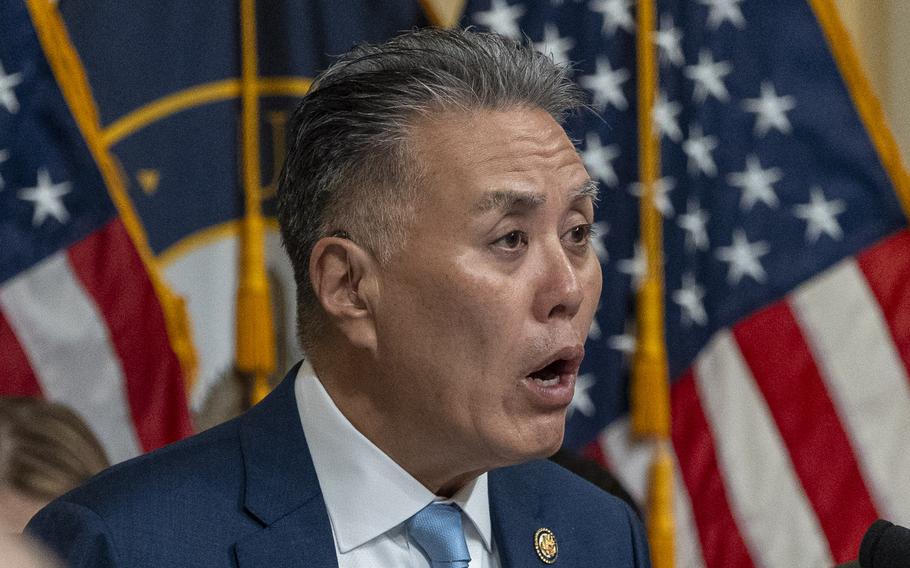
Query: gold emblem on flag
[545, 545]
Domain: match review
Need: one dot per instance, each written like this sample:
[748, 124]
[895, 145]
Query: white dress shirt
[369, 497]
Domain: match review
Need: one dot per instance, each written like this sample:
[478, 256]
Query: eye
[512, 241]
[580, 235]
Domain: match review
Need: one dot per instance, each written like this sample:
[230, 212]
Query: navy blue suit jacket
[245, 494]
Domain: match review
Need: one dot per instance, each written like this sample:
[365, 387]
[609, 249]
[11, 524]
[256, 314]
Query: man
[438, 220]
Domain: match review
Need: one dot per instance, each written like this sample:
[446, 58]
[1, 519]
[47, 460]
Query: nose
[560, 290]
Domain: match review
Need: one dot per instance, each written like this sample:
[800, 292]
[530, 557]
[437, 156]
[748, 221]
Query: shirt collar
[365, 492]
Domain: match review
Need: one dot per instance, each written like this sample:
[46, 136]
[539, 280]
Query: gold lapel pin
[545, 545]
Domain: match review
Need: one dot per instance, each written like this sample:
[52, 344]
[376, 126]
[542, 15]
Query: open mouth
[563, 364]
[548, 376]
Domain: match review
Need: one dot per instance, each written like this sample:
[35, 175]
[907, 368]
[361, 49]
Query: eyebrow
[511, 200]
[589, 188]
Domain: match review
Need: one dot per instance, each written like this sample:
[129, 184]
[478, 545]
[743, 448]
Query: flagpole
[650, 396]
[255, 334]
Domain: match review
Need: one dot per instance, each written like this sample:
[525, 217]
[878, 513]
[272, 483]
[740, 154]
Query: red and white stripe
[85, 328]
[791, 429]
[867, 380]
[630, 462]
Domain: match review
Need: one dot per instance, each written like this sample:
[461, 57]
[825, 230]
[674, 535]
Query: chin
[551, 448]
[544, 441]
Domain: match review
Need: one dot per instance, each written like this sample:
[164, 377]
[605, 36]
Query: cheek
[455, 315]
[592, 281]
[481, 326]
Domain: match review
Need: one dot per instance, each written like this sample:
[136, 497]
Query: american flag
[787, 271]
[82, 320]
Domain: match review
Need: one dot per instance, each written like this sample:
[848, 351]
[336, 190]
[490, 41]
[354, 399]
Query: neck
[353, 388]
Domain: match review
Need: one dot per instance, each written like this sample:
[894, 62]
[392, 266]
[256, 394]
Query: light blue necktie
[437, 530]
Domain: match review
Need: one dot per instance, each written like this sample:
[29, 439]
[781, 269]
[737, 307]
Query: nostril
[559, 311]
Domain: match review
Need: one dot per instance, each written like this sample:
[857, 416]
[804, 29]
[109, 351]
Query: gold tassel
[649, 397]
[255, 333]
[178, 326]
[660, 509]
[650, 394]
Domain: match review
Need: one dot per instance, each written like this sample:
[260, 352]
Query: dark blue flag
[785, 258]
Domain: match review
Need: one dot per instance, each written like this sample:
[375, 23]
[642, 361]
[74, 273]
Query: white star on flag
[47, 198]
[599, 159]
[694, 222]
[626, 342]
[689, 298]
[756, 183]
[662, 188]
[555, 45]
[724, 11]
[669, 40]
[606, 84]
[502, 18]
[708, 76]
[821, 216]
[742, 257]
[599, 230]
[4, 156]
[770, 110]
[698, 148]
[616, 13]
[636, 267]
[581, 401]
[7, 94]
[594, 332]
[664, 115]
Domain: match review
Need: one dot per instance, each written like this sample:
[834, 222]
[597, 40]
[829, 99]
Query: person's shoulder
[142, 511]
[576, 509]
[550, 482]
[206, 461]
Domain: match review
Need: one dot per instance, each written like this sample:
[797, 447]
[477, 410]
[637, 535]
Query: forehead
[465, 157]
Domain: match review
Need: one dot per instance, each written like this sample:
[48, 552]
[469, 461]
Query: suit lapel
[281, 489]
[302, 538]
[516, 516]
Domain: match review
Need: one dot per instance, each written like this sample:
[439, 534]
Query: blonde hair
[45, 448]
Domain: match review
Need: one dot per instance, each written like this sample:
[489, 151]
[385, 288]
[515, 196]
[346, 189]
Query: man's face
[483, 313]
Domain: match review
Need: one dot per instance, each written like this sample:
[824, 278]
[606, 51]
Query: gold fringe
[661, 523]
[650, 389]
[255, 332]
[867, 104]
[71, 78]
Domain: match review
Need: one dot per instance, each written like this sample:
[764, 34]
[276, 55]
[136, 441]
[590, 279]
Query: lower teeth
[548, 382]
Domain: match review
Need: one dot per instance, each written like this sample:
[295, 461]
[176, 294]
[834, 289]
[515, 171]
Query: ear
[342, 275]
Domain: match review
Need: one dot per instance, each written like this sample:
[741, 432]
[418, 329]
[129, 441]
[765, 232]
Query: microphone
[885, 545]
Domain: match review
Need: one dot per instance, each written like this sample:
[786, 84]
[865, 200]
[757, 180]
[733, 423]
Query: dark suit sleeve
[76, 534]
[640, 550]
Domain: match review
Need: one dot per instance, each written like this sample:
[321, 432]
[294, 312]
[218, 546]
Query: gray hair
[348, 166]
